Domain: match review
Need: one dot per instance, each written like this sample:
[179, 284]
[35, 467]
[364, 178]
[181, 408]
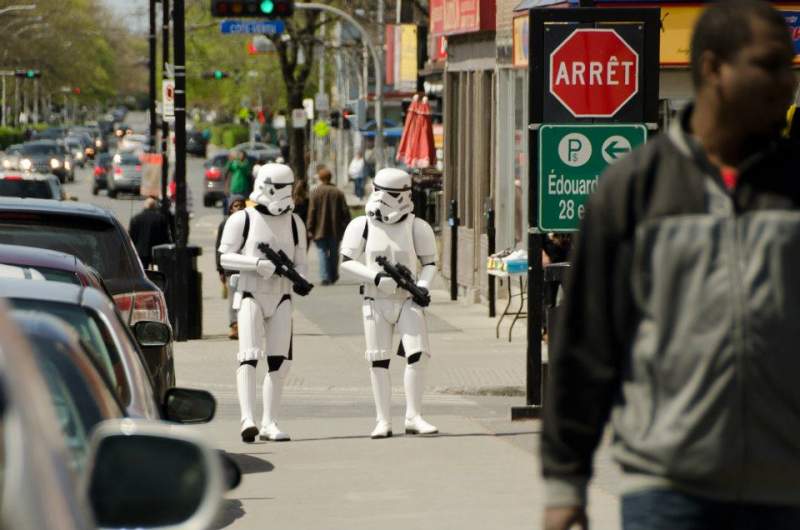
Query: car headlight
[55, 164]
[98, 143]
[79, 156]
[25, 164]
[6, 163]
[67, 165]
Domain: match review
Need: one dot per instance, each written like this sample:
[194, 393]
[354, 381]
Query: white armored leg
[414, 387]
[382, 394]
[272, 391]
[246, 388]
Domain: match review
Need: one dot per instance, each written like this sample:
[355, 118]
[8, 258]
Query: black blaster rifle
[405, 280]
[284, 267]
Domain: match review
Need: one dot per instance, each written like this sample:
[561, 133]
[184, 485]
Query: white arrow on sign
[615, 147]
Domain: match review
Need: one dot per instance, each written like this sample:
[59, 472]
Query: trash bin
[185, 308]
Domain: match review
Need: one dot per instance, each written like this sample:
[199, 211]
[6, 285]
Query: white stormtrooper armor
[390, 229]
[263, 298]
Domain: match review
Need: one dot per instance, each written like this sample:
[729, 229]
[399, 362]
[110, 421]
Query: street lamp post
[152, 81]
[379, 155]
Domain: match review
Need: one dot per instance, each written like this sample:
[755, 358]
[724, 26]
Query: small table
[520, 313]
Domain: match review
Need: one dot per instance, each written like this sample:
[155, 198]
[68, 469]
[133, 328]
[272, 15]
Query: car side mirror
[146, 475]
[150, 334]
[186, 405]
[157, 277]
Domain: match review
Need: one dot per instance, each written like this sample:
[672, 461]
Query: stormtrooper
[263, 296]
[390, 230]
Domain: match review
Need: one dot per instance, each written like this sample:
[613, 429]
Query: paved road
[481, 471]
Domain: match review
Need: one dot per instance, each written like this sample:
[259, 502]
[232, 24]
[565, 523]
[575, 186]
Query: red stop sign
[594, 72]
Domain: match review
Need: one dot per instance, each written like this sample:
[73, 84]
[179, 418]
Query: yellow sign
[677, 24]
[407, 50]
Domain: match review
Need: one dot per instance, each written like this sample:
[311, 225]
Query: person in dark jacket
[328, 216]
[148, 229]
[300, 198]
[681, 311]
[237, 202]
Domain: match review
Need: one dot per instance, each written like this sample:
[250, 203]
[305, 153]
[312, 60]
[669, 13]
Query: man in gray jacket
[682, 310]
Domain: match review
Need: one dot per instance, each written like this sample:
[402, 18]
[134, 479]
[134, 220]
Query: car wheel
[112, 194]
[95, 189]
[208, 202]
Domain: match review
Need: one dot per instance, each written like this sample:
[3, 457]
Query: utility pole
[182, 219]
[16, 101]
[36, 100]
[5, 109]
[380, 160]
[152, 81]
[165, 18]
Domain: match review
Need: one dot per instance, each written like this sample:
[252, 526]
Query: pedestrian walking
[680, 314]
[148, 229]
[300, 197]
[357, 173]
[328, 216]
[390, 232]
[263, 297]
[237, 203]
[238, 177]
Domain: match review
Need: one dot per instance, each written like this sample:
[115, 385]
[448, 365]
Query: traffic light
[27, 74]
[217, 75]
[335, 119]
[346, 113]
[252, 8]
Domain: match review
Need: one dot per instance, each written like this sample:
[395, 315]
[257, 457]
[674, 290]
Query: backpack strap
[295, 235]
[365, 233]
[246, 230]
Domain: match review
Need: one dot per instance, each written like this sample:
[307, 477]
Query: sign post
[589, 68]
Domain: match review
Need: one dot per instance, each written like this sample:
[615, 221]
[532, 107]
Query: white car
[29, 185]
[133, 143]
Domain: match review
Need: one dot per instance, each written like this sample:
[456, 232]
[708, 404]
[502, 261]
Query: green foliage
[229, 134]
[10, 136]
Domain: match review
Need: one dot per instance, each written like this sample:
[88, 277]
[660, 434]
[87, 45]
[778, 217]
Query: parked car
[196, 143]
[126, 174]
[52, 265]
[40, 490]
[30, 185]
[46, 156]
[91, 314]
[214, 179]
[96, 237]
[259, 153]
[103, 167]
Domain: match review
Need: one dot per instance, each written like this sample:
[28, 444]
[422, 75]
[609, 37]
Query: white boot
[246, 388]
[272, 391]
[415, 386]
[382, 394]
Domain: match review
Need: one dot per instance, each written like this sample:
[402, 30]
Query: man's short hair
[325, 174]
[725, 28]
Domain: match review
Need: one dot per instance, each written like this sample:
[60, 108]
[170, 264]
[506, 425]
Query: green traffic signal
[267, 7]
[30, 74]
[218, 74]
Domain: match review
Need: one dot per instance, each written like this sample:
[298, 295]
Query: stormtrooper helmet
[391, 200]
[273, 188]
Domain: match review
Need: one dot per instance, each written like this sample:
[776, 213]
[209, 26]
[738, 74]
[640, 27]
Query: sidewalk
[482, 471]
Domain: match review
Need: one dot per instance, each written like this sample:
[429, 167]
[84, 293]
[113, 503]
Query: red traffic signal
[76, 91]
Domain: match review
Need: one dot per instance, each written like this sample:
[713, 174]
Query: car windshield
[93, 334]
[219, 161]
[56, 275]
[129, 160]
[94, 241]
[40, 149]
[31, 189]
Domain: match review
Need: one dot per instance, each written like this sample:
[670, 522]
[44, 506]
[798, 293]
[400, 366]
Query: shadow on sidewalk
[229, 511]
[251, 464]
[433, 436]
